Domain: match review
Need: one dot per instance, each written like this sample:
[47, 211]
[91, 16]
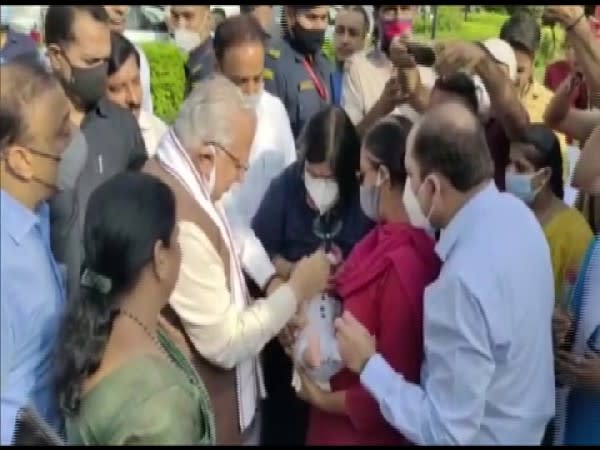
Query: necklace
[156, 342]
[146, 330]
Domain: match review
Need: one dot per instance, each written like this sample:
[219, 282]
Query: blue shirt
[286, 77]
[583, 405]
[488, 374]
[337, 82]
[32, 302]
[19, 45]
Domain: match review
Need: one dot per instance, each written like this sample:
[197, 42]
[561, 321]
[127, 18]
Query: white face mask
[415, 215]
[428, 226]
[186, 40]
[254, 99]
[324, 193]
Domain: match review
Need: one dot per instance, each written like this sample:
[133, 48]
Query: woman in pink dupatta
[382, 285]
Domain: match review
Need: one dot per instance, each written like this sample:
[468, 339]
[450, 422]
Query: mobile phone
[423, 54]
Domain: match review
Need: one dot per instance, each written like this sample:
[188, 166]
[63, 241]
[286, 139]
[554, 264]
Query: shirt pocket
[309, 102]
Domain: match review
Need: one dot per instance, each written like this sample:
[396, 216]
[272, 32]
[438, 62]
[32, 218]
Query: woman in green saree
[121, 378]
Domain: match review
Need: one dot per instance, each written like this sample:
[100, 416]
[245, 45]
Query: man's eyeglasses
[234, 159]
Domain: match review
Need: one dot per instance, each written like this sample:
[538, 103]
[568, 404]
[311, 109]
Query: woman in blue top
[578, 411]
[314, 202]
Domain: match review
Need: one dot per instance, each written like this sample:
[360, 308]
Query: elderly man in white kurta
[200, 158]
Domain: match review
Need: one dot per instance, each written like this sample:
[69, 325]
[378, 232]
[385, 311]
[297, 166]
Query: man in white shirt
[488, 373]
[118, 19]
[199, 158]
[239, 46]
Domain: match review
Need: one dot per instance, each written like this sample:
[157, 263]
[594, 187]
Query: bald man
[34, 165]
[489, 378]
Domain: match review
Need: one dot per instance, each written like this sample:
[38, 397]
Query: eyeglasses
[234, 159]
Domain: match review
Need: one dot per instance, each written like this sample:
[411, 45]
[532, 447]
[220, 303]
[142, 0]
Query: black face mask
[87, 84]
[307, 42]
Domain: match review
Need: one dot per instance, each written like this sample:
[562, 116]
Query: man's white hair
[206, 115]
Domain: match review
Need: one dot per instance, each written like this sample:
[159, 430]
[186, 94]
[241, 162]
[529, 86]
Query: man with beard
[296, 70]
[78, 42]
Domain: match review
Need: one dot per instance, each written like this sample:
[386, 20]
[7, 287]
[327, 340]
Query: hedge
[167, 78]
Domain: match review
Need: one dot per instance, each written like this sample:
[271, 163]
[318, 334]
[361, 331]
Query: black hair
[121, 49]
[546, 154]
[455, 147]
[522, 32]
[58, 24]
[125, 217]
[237, 30]
[22, 82]
[386, 142]
[363, 12]
[402, 120]
[330, 136]
[461, 84]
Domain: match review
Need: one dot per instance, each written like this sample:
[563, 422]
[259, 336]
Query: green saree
[147, 401]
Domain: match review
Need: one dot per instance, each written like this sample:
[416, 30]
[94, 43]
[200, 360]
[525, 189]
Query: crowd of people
[393, 248]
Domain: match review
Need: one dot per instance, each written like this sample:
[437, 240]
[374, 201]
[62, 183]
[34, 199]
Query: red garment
[556, 74]
[382, 285]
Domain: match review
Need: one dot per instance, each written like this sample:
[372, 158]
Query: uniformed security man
[296, 70]
[192, 26]
[264, 15]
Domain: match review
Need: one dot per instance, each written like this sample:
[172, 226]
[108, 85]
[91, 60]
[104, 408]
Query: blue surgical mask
[519, 185]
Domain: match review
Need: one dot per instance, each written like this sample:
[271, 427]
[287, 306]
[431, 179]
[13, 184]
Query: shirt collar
[463, 220]
[101, 109]
[17, 219]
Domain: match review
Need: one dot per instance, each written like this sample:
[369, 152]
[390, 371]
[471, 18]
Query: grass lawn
[484, 25]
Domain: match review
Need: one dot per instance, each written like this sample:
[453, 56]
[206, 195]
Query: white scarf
[173, 157]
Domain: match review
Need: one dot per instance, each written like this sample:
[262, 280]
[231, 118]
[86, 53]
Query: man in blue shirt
[488, 371]
[36, 131]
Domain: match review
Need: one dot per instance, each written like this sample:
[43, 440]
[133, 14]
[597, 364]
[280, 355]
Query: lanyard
[315, 79]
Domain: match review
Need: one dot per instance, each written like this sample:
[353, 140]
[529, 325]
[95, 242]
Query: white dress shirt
[145, 80]
[488, 375]
[272, 151]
